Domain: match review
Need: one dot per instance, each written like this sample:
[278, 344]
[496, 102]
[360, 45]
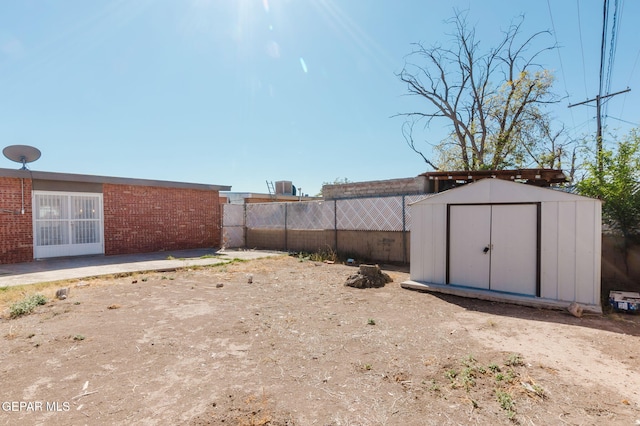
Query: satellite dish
[22, 154]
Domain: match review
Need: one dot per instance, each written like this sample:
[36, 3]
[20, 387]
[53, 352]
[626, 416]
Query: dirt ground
[297, 347]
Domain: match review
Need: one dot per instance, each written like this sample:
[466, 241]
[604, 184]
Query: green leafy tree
[617, 184]
[493, 101]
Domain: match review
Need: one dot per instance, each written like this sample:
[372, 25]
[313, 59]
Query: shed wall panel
[597, 254]
[549, 251]
[585, 242]
[429, 221]
[438, 224]
[566, 251]
[418, 250]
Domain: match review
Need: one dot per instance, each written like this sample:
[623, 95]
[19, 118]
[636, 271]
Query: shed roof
[70, 177]
[500, 191]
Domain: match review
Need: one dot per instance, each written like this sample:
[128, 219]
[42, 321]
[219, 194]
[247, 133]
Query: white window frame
[66, 226]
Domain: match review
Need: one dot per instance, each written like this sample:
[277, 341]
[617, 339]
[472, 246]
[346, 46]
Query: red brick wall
[140, 219]
[16, 235]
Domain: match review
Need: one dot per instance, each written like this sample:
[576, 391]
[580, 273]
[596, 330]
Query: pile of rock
[368, 276]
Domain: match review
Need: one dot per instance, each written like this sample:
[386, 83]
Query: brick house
[45, 214]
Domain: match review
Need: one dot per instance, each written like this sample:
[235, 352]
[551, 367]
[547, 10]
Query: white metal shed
[507, 241]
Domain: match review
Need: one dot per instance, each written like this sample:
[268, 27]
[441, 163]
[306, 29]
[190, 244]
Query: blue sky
[239, 92]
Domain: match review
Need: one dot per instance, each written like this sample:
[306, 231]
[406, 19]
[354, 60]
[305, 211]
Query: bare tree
[492, 101]
[551, 148]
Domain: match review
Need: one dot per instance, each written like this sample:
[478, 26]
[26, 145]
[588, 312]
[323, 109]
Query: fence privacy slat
[370, 214]
[310, 215]
[409, 199]
[375, 214]
[358, 214]
[233, 215]
[266, 216]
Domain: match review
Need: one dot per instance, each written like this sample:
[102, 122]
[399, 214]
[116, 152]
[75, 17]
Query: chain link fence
[358, 214]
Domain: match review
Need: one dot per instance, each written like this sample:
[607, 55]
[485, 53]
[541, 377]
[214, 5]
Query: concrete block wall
[376, 246]
[403, 186]
[139, 219]
[16, 233]
[267, 239]
[310, 240]
[292, 240]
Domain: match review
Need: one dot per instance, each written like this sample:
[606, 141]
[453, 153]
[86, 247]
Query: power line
[602, 47]
[612, 53]
[624, 99]
[634, 66]
[584, 63]
[564, 78]
[612, 47]
[598, 100]
[584, 66]
[600, 97]
[625, 121]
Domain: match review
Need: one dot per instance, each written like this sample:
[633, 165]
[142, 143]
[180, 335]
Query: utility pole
[600, 96]
[598, 100]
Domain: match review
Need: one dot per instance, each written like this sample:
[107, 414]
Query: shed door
[514, 244]
[67, 224]
[494, 247]
[469, 234]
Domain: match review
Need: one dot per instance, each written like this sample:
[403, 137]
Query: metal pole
[404, 232]
[335, 224]
[286, 246]
[598, 134]
[598, 100]
[244, 224]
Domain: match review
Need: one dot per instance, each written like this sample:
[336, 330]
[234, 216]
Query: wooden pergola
[442, 180]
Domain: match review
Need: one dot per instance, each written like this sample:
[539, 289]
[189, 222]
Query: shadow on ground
[616, 322]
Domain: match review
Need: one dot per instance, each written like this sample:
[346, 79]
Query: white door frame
[67, 224]
[502, 257]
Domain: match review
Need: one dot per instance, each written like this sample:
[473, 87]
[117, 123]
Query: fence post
[286, 245]
[221, 223]
[404, 231]
[335, 225]
[244, 224]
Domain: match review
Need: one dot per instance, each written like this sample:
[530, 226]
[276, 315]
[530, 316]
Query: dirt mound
[368, 276]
